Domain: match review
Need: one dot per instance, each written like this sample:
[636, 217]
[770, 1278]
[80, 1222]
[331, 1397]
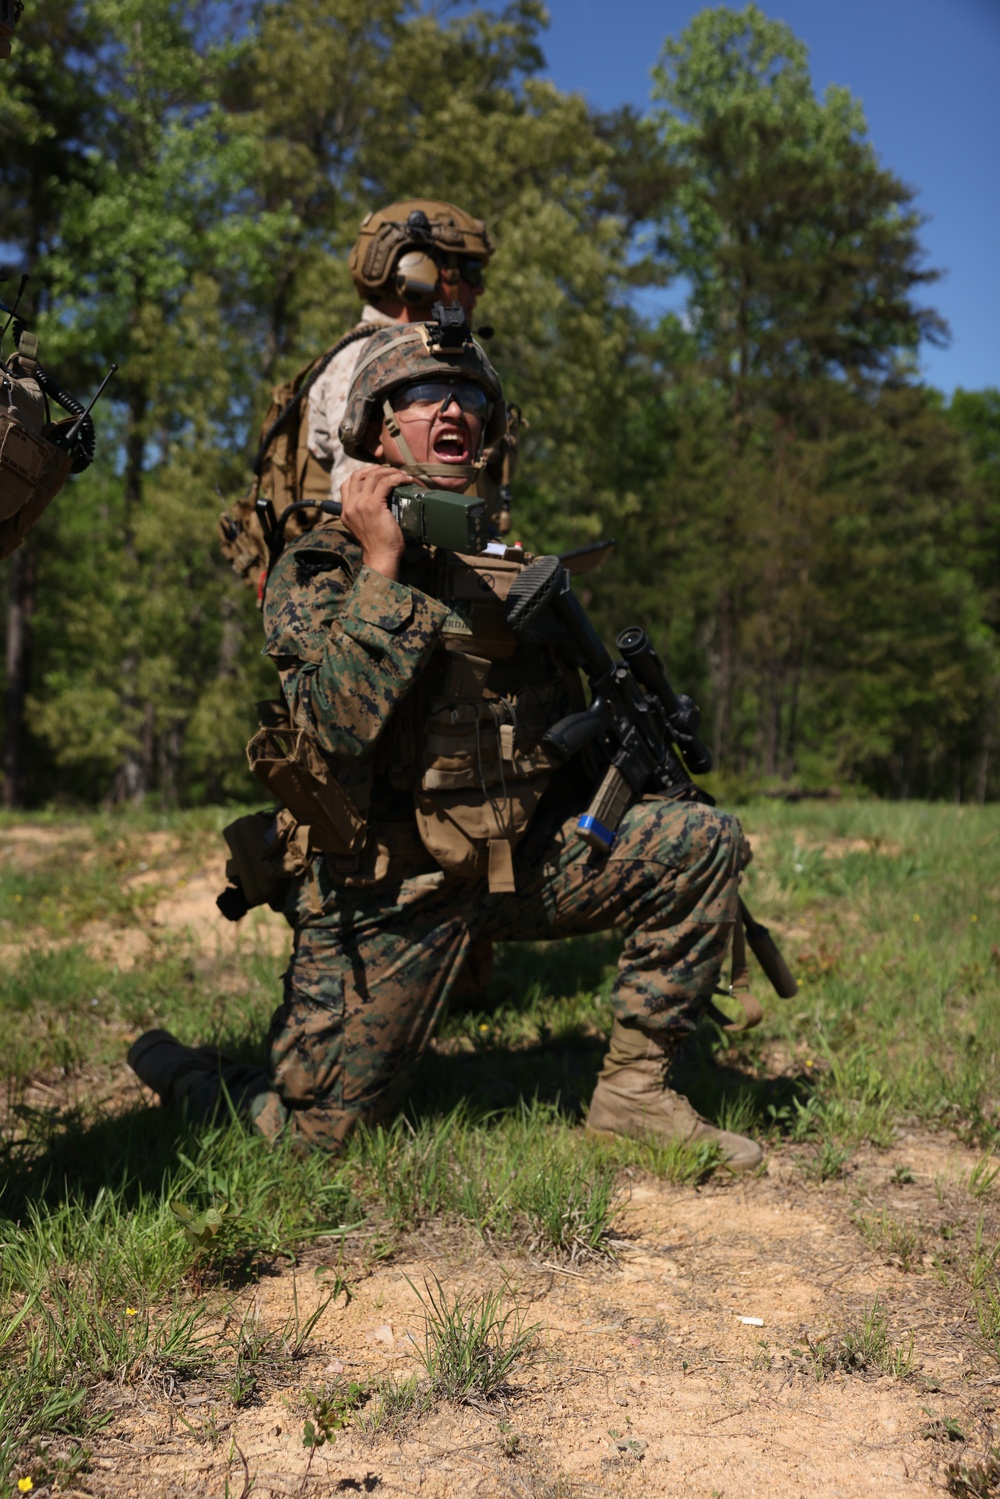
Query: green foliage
[974, 1480]
[813, 536]
[801, 251]
[823, 592]
[331, 1412]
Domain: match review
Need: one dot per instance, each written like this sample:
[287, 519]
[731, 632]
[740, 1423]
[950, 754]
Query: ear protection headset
[415, 277]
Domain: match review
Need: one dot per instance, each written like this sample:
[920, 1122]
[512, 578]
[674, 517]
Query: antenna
[68, 437]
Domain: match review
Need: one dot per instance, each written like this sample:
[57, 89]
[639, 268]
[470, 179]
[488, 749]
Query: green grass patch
[115, 1227]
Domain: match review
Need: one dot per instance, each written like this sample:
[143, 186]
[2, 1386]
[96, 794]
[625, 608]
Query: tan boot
[192, 1075]
[632, 1099]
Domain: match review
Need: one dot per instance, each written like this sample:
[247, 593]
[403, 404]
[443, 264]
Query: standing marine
[407, 256]
[409, 743]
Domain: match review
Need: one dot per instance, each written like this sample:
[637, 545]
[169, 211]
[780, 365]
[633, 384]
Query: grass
[895, 1239]
[864, 1347]
[104, 1211]
[472, 1346]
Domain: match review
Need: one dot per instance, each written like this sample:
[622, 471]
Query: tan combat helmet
[408, 249]
[443, 349]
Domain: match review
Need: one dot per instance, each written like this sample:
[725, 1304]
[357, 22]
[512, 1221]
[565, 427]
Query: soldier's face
[435, 434]
[453, 286]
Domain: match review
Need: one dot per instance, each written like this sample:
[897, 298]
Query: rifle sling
[739, 986]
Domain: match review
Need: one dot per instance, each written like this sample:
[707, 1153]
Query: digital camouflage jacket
[429, 713]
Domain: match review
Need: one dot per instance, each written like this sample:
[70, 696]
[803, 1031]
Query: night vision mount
[447, 331]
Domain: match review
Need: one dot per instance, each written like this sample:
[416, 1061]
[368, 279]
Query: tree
[44, 117]
[976, 415]
[804, 263]
[208, 257]
[153, 263]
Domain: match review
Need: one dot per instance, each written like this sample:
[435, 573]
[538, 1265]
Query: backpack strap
[364, 330]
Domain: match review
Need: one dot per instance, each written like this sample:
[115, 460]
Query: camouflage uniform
[326, 402]
[375, 957]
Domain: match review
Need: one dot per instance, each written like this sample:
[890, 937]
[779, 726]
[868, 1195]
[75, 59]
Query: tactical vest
[460, 770]
[32, 468]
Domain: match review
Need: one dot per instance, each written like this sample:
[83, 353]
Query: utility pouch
[485, 771]
[297, 773]
[32, 472]
[472, 834]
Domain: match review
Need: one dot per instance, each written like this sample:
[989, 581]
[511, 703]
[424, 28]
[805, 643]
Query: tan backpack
[33, 467]
[285, 472]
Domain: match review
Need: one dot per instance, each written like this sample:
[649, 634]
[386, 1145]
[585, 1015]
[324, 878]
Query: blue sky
[928, 75]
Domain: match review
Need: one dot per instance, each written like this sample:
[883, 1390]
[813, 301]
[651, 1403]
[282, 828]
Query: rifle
[646, 733]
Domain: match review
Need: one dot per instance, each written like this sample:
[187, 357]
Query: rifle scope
[647, 668]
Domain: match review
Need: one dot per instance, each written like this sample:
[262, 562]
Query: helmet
[401, 250]
[405, 352]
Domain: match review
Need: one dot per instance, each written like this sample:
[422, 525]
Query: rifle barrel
[647, 668]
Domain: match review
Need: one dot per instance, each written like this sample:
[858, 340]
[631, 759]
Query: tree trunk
[724, 696]
[772, 725]
[981, 759]
[131, 780]
[169, 750]
[20, 616]
[787, 767]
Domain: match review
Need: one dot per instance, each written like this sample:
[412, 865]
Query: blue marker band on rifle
[596, 830]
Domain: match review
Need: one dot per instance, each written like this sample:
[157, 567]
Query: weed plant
[975, 1480]
[472, 1347]
[897, 1241]
[864, 1347]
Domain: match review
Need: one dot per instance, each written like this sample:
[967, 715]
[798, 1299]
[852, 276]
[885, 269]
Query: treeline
[810, 534]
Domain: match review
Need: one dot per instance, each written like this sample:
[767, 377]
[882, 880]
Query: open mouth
[451, 445]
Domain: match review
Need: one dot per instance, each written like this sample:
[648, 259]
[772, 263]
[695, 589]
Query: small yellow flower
[24, 1485]
[973, 917]
[131, 1311]
[484, 1027]
[19, 898]
[810, 1063]
[916, 917]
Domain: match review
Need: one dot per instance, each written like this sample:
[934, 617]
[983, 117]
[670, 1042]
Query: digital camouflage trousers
[372, 970]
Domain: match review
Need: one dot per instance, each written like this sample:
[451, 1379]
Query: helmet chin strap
[429, 470]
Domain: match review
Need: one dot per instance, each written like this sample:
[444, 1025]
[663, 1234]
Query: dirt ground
[645, 1381]
[175, 891]
[691, 1366]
